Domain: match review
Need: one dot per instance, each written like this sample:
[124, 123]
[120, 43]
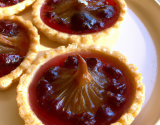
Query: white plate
[148, 12]
[139, 41]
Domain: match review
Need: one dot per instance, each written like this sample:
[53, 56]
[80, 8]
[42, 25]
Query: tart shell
[15, 9]
[29, 116]
[7, 80]
[107, 37]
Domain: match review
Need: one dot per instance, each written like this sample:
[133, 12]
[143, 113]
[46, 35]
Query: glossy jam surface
[8, 28]
[66, 94]
[79, 16]
[14, 44]
[9, 62]
[5, 3]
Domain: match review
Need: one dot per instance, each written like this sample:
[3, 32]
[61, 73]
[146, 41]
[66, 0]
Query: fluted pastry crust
[29, 116]
[15, 9]
[7, 80]
[107, 37]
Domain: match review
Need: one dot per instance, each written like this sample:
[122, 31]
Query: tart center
[79, 16]
[82, 90]
[80, 93]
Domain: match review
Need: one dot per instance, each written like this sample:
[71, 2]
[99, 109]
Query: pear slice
[6, 46]
[79, 92]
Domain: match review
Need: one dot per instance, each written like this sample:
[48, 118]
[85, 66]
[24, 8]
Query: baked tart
[80, 85]
[19, 42]
[11, 7]
[80, 21]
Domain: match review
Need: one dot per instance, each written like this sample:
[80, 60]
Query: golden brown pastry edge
[7, 80]
[28, 115]
[107, 37]
[15, 9]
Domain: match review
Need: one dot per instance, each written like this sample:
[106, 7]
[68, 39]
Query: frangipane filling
[79, 16]
[81, 89]
[14, 44]
[6, 3]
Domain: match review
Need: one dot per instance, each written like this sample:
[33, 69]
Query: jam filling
[13, 45]
[81, 91]
[9, 62]
[5, 3]
[8, 28]
[79, 16]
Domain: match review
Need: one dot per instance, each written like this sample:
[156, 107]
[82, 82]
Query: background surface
[139, 41]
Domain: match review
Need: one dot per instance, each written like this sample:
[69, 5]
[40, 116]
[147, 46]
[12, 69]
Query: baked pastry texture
[66, 27]
[101, 89]
[19, 43]
[11, 7]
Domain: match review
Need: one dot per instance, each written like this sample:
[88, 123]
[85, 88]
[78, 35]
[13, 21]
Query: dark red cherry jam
[79, 16]
[5, 3]
[8, 28]
[9, 62]
[87, 89]
[12, 54]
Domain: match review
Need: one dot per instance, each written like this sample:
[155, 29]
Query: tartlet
[11, 7]
[44, 98]
[19, 43]
[95, 31]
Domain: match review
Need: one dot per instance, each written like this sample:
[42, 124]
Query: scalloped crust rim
[22, 90]
[15, 9]
[7, 80]
[107, 37]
